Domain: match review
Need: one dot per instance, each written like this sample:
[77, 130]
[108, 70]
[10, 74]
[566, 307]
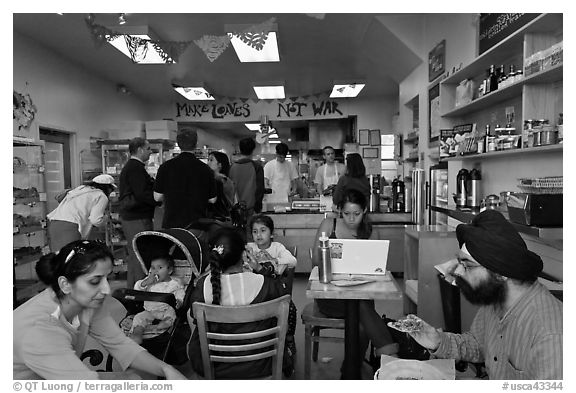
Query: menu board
[496, 27]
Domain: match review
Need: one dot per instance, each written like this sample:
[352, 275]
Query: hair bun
[46, 268]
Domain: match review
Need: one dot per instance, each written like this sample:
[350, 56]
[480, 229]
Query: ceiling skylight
[250, 54]
[194, 93]
[346, 90]
[269, 92]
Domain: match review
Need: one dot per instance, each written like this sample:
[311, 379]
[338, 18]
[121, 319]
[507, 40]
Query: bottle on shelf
[487, 82]
[325, 267]
[502, 76]
[493, 78]
[511, 75]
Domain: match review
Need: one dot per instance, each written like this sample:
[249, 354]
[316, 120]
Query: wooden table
[382, 287]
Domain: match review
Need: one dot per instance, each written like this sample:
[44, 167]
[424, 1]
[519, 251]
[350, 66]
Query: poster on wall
[496, 27]
[364, 137]
[434, 114]
[437, 61]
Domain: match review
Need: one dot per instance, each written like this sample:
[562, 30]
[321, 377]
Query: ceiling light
[274, 141]
[194, 93]
[121, 19]
[246, 51]
[253, 126]
[134, 42]
[346, 90]
[270, 92]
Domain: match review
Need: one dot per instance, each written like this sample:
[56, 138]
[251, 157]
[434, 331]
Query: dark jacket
[134, 179]
[248, 176]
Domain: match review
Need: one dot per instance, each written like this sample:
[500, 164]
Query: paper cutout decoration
[23, 110]
[256, 36]
[213, 46]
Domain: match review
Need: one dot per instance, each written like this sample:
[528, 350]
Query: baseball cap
[104, 179]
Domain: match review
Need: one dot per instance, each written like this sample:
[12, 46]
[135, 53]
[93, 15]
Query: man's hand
[428, 336]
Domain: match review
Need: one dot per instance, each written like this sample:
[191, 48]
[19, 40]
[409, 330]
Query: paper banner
[172, 48]
[293, 99]
[256, 36]
[243, 100]
[213, 45]
[255, 100]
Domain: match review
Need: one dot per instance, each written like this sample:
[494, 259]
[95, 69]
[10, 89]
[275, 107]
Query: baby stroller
[190, 263]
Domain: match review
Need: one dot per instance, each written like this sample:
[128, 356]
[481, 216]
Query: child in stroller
[160, 280]
[187, 250]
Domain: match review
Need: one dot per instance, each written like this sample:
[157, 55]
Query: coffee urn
[398, 196]
[418, 199]
[474, 193]
[462, 180]
[375, 193]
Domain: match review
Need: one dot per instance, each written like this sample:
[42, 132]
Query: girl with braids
[50, 329]
[229, 284]
[354, 224]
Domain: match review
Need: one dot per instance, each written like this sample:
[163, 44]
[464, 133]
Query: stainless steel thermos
[474, 194]
[325, 266]
[398, 199]
[461, 187]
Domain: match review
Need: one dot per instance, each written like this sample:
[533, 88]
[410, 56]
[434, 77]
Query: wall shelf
[553, 233]
[506, 153]
[553, 74]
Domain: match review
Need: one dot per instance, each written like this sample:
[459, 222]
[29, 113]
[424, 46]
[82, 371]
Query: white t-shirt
[279, 175]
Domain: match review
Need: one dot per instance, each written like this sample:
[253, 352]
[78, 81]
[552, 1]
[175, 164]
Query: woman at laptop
[354, 224]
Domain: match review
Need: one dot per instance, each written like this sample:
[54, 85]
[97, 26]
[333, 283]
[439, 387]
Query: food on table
[407, 325]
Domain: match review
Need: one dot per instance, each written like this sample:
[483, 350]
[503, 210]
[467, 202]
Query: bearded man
[517, 331]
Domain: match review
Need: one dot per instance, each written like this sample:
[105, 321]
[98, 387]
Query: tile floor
[330, 355]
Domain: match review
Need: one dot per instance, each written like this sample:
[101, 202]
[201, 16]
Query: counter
[298, 229]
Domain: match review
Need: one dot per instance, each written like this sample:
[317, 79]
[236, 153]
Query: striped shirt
[526, 343]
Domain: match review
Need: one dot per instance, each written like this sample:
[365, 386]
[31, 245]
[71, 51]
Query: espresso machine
[375, 193]
[398, 200]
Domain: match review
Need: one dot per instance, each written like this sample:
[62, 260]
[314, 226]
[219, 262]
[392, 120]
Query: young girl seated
[159, 279]
[229, 284]
[270, 258]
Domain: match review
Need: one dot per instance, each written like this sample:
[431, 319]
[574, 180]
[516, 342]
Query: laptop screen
[359, 256]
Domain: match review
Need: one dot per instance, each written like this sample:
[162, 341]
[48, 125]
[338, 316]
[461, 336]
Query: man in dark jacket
[136, 202]
[248, 176]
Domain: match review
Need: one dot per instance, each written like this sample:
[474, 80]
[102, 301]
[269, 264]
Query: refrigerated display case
[438, 193]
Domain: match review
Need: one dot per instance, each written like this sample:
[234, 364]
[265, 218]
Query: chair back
[231, 347]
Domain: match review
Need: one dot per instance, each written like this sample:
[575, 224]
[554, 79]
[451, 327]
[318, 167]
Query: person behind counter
[355, 178]
[82, 208]
[50, 329]
[354, 225]
[517, 331]
[328, 174]
[280, 175]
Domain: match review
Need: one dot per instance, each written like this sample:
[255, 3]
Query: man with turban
[517, 331]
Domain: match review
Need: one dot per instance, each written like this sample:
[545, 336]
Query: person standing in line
[327, 175]
[225, 188]
[185, 184]
[82, 208]
[517, 331]
[248, 177]
[137, 202]
[280, 175]
[355, 178]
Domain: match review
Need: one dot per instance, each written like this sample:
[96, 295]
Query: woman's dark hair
[356, 197]
[227, 248]
[106, 188]
[74, 260]
[223, 160]
[355, 166]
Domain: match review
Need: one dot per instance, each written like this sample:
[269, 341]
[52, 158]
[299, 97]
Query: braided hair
[227, 248]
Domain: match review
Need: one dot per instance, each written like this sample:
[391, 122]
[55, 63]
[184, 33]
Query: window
[388, 155]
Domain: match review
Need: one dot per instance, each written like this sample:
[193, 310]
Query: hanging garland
[213, 46]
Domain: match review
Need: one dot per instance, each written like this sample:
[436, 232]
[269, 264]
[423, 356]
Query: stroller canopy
[180, 244]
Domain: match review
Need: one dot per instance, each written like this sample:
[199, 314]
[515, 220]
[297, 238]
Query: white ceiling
[313, 52]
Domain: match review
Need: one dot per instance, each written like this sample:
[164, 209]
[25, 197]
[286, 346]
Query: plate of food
[409, 324]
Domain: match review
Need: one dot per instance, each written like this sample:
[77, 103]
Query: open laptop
[354, 256]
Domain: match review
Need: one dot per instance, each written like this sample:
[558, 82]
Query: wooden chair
[206, 313]
[314, 321]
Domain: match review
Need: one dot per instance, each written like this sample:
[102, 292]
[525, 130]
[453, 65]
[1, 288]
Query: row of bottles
[496, 77]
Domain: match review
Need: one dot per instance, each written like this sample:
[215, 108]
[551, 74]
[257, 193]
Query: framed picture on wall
[370, 152]
[437, 61]
[374, 137]
[434, 115]
[364, 137]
